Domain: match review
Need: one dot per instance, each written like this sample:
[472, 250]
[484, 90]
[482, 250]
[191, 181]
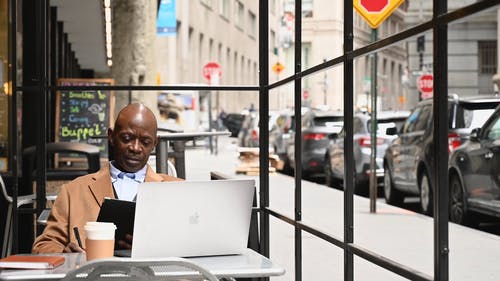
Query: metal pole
[348, 141]
[440, 139]
[210, 139]
[263, 115]
[13, 126]
[373, 144]
[298, 139]
[325, 86]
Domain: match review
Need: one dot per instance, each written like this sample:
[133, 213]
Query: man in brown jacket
[132, 139]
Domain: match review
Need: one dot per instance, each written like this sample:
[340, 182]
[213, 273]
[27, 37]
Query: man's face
[132, 142]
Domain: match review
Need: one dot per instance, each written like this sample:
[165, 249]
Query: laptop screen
[192, 218]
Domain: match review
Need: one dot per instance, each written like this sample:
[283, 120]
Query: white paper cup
[100, 242]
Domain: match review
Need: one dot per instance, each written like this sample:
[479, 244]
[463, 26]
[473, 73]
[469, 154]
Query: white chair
[21, 201]
[162, 269]
[171, 171]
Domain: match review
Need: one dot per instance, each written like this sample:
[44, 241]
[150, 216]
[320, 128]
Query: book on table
[31, 262]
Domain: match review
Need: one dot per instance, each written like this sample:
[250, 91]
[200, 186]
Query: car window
[472, 118]
[383, 125]
[409, 125]
[492, 132]
[328, 121]
[357, 126]
[292, 123]
[305, 121]
[423, 120]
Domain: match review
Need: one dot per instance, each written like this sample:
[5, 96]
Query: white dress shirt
[125, 184]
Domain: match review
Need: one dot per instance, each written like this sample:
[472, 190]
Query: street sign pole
[373, 155]
[374, 12]
[212, 72]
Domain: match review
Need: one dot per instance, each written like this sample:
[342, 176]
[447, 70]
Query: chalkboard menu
[85, 116]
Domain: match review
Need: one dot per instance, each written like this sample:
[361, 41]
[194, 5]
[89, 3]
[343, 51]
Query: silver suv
[362, 127]
[408, 159]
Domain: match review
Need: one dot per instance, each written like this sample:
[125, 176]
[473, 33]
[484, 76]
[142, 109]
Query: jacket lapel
[152, 175]
[101, 186]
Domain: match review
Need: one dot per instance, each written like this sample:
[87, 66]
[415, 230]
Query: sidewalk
[394, 233]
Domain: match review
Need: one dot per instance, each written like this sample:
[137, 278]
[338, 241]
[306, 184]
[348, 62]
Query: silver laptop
[192, 218]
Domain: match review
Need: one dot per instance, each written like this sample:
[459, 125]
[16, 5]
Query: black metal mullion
[298, 135]
[264, 126]
[41, 70]
[143, 88]
[52, 69]
[348, 142]
[440, 139]
[13, 128]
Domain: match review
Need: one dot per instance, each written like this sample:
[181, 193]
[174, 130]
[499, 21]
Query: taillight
[318, 136]
[255, 134]
[366, 141]
[454, 141]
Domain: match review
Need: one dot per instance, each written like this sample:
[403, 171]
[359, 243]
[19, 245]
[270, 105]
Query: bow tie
[128, 175]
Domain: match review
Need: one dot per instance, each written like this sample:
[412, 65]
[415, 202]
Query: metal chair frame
[144, 269]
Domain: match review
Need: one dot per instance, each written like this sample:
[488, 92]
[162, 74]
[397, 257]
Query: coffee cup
[100, 241]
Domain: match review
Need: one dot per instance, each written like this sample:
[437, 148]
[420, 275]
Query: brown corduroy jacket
[78, 202]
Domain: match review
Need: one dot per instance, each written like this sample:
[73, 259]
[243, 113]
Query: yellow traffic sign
[278, 67]
[376, 11]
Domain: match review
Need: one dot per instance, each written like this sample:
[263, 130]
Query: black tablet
[121, 213]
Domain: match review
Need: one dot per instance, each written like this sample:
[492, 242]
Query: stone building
[472, 50]
[322, 39]
[225, 32]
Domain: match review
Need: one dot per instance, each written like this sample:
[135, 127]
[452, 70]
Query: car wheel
[361, 188]
[458, 203]
[287, 168]
[426, 197]
[391, 194]
[329, 180]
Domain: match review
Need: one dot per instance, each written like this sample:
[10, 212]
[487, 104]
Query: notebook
[192, 218]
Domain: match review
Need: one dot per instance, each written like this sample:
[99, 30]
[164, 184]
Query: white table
[250, 264]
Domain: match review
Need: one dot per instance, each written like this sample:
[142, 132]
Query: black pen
[77, 236]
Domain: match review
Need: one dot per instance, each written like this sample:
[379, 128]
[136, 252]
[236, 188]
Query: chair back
[90, 152]
[120, 269]
[4, 191]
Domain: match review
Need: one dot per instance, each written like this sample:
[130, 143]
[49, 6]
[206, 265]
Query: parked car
[279, 133]
[408, 159]
[316, 126]
[362, 129]
[233, 122]
[248, 135]
[474, 174]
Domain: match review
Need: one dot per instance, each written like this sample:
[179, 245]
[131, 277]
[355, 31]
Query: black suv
[475, 175]
[408, 159]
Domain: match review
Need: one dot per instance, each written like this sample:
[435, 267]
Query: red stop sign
[211, 69]
[425, 84]
[374, 6]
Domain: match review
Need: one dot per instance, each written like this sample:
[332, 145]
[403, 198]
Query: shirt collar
[139, 175]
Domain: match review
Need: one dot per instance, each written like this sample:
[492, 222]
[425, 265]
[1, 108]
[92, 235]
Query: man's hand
[73, 248]
[127, 243]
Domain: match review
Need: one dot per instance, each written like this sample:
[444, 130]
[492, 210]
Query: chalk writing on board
[85, 116]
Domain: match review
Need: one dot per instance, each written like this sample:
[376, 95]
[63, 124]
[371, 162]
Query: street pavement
[398, 234]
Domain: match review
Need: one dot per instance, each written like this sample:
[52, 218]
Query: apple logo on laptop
[194, 219]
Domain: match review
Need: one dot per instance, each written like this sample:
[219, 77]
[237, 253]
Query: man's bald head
[136, 112]
[133, 137]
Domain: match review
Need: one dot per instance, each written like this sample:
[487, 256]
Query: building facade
[220, 31]
[322, 40]
[472, 50]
